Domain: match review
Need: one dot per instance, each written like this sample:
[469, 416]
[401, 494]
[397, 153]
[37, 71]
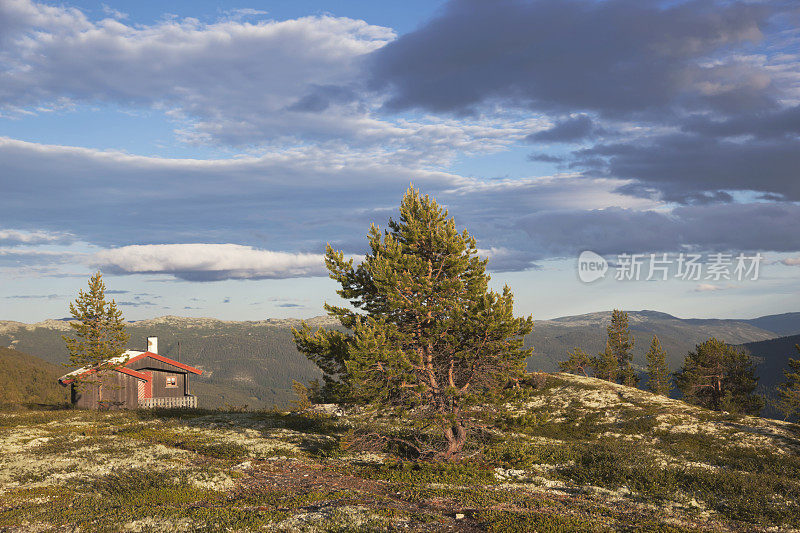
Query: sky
[202, 154]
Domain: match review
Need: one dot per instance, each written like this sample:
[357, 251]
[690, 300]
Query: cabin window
[172, 382]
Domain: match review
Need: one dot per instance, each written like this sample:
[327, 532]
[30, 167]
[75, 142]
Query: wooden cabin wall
[119, 391]
[160, 389]
[160, 370]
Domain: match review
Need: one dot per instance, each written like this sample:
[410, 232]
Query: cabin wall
[159, 382]
[107, 390]
[160, 370]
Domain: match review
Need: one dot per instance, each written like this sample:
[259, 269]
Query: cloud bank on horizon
[616, 125]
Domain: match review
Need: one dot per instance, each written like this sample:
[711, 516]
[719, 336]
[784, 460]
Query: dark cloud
[321, 97]
[117, 291]
[767, 125]
[545, 158]
[617, 57]
[570, 130]
[154, 200]
[688, 168]
[720, 227]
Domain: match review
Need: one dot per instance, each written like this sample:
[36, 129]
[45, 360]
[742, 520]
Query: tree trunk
[456, 436]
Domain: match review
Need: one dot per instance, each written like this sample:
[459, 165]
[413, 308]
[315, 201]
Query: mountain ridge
[254, 362]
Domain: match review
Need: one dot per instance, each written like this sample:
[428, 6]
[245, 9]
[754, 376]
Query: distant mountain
[244, 363]
[772, 356]
[25, 379]
[553, 339]
[254, 362]
[784, 324]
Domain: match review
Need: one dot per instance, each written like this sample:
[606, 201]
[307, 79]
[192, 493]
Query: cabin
[133, 380]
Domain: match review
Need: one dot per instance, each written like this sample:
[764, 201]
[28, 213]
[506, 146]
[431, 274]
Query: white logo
[591, 266]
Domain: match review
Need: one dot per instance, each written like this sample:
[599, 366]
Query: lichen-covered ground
[568, 454]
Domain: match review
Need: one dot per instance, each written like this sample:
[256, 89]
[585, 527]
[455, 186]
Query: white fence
[189, 402]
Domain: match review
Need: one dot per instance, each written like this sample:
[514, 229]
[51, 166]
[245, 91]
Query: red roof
[164, 360]
[135, 373]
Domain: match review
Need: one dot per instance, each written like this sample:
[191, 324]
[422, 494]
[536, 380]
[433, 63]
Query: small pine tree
[657, 370]
[305, 395]
[579, 361]
[620, 342]
[100, 335]
[720, 377]
[433, 339]
[789, 391]
[606, 365]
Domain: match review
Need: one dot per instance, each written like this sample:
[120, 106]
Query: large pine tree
[99, 333]
[620, 342]
[789, 391]
[428, 336]
[657, 369]
[720, 377]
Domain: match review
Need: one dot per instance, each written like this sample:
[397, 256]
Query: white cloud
[15, 236]
[708, 287]
[294, 199]
[791, 261]
[232, 79]
[232, 82]
[209, 262]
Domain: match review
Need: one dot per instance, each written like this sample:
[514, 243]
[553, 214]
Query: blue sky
[203, 154]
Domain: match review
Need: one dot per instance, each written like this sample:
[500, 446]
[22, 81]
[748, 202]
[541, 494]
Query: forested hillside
[783, 324]
[254, 363]
[244, 363]
[25, 379]
[552, 339]
[772, 357]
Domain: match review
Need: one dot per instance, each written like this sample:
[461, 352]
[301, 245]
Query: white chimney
[152, 344]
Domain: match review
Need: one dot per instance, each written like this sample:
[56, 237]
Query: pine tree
[100, 334]
[720, 377]
[579, 361]
[657, 369]
[430, 335]
[606, 365]
[789, 391]
[621, 343]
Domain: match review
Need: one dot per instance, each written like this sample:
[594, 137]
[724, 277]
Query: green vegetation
[621, 342]
[720, 377]
[657, 369]
[553, 339]
[606, 364]
[244, 363]
[254, 363]
[25, 379]
[789, 391]
[433, 339]
[579, 362]
[100, 336]
[562, 453]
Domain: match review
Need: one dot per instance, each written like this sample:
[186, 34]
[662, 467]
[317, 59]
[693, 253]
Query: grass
[581, 469]
[522, 522]
[193, 443]
[426, 473]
